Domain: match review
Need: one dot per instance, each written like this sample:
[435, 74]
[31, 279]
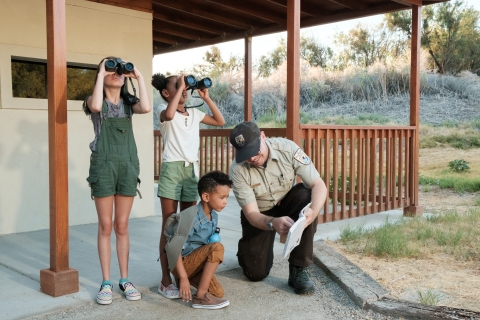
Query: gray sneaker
[209, 302]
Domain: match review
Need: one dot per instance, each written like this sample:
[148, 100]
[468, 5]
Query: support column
[293, 71]
[413, 208]
[247, 90]
[59, 279]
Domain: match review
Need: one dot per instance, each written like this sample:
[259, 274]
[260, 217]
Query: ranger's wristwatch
[270, 224]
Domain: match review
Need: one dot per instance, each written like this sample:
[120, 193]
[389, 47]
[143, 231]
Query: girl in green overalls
[114, 168]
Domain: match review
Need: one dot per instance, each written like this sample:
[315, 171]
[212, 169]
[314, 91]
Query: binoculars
[119, 66]
[192, 83]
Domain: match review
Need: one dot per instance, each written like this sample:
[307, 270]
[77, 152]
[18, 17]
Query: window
[29, 80]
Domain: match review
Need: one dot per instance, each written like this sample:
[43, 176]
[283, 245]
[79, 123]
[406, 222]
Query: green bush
[459, 165]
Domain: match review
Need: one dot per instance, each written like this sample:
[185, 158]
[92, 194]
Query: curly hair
[160, 82]
[211, 180]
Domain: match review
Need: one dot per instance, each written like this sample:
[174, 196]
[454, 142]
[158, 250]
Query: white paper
[295, 233]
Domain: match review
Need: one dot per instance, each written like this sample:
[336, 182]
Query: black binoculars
[192, 83]
[119, 66]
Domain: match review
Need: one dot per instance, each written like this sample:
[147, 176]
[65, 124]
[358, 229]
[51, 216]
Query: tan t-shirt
[267, 186]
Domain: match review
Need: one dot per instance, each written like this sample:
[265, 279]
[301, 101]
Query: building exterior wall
[94, 31]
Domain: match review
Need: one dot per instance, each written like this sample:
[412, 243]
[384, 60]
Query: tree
[215, 66]
[314, 53]
[364, 45]
[450, 33]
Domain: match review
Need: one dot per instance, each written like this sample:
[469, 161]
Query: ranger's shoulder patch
[302, 157]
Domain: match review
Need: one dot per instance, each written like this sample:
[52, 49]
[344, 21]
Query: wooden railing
[216, 152]
[367, 169]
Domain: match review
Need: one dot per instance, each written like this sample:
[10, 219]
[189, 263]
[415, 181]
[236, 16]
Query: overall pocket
[117, 134]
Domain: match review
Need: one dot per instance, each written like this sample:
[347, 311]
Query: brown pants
[194, 262]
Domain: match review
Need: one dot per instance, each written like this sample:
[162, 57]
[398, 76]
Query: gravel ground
[268, 299]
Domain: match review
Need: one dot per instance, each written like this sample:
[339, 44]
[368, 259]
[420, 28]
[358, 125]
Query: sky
[262, 45]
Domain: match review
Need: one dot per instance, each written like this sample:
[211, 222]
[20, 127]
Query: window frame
[35, 55]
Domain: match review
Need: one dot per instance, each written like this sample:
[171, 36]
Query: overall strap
[104, 112]
[127, 109]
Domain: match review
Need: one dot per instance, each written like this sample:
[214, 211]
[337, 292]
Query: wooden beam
[256, 11]
[413, 208]
[351, 14]
[293, 71]
[180, 31]
[139, 5]
[313, 8]
[166, 38]
[306, 8]
[337, 17]
[236, 22]
[410, 2]
[59, 279]
[247, 90]
[193, 23]
[351, 4]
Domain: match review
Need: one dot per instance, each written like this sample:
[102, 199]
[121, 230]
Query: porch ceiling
[186, 24]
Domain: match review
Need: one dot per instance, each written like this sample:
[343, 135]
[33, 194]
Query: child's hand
[181, 83]
[184, 290]
[203, 93]
[102, 71]
[135, 74]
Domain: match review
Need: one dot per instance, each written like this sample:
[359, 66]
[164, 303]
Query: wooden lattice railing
[367, 169]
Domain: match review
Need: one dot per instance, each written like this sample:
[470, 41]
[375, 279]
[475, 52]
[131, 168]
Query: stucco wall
[93, 32]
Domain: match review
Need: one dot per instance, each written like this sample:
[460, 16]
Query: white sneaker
[131, 293]
[170, 292]
[104, 296]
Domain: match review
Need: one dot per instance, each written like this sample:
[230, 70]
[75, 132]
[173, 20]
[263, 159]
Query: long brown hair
[123, 89]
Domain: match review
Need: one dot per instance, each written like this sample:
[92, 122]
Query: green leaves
[450, 33]
[458, 165]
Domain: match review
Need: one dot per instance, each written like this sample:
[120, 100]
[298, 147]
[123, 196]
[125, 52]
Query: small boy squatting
[199, 259]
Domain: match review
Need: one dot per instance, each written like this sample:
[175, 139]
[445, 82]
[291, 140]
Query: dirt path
[456, 282]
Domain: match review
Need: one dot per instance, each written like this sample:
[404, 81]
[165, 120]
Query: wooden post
[59, 279]
[413, 208]
[293, 71]
[247, 91]
[293, 76]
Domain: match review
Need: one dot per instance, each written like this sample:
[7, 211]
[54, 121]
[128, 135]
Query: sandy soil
[457, 283]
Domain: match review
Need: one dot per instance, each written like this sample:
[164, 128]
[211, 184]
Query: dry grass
[434, 162]
[455, 278]
[458, 280]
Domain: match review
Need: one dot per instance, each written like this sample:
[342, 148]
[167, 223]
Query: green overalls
[114, 166]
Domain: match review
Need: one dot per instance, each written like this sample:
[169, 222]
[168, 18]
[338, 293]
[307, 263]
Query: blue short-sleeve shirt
[202, 229]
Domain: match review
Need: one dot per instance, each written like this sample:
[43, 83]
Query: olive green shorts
[178, 182]
[111, 174]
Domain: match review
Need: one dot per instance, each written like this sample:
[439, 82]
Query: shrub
[458, 165]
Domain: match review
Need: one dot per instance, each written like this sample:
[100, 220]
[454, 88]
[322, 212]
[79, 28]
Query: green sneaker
[300, 281]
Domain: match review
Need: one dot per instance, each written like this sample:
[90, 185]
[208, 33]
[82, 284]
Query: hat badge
[240, 140]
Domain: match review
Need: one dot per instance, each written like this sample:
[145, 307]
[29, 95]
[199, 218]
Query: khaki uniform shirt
[267, 186]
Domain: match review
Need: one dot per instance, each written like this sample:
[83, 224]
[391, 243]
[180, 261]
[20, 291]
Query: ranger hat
[245, 137]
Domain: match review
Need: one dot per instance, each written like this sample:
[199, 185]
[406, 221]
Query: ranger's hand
[282, 224]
